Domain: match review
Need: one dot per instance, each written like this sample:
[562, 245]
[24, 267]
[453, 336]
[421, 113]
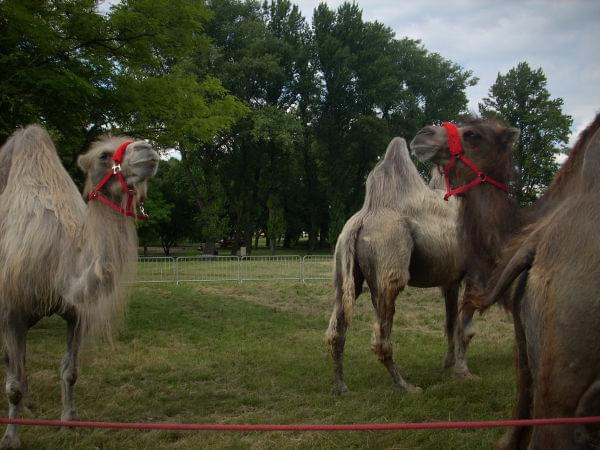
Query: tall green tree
[373, 87]
[258, 54]
[521, 99]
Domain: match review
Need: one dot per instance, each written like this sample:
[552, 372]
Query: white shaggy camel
[405, 234]
[59, 256]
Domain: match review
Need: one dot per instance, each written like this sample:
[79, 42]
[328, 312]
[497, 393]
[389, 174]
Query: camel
[59, 256]
[544, 265]
[404, 234]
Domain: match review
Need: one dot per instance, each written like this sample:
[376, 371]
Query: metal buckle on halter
[116, 168]
[142, 210]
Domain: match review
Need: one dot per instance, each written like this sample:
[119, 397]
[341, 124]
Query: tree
[171, 207]
[159, 211]
[260, 55]
[521, 99]
[373, 87]
[275, 224]
[81, 73]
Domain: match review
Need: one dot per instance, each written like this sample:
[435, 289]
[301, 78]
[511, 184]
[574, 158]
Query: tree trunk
[256, 237]
[210, 248]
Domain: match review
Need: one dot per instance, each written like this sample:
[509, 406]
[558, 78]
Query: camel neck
[109, 239]
[489, 217]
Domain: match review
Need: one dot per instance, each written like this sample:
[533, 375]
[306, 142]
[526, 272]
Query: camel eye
[471, 137]
[104, 156]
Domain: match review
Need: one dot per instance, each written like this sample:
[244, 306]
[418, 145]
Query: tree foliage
[278, 120]
[521, 99]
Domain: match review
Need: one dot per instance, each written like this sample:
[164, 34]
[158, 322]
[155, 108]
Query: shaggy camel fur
[405, 234]
[59, 256]
[554, 263]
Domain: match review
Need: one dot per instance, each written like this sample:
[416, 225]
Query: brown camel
[405, 234]
[552, 266]
[59, 256]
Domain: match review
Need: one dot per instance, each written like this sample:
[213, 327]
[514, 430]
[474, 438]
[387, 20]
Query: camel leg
[518, 437]
[463, 333]
[381, 343]
[462, 330]
[70, 366]
[15, 338]
[336, 337]
[450, 294]
[470, 304]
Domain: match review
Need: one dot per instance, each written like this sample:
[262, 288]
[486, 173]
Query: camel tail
[344, 282]
[519, 263]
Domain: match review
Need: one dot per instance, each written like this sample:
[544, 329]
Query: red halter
[116, 172]
[457, 153]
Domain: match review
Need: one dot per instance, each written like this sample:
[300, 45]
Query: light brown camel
[405, 234]
[59, 256]
[553, 266]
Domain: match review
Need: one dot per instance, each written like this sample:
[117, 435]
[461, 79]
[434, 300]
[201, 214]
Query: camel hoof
[409, 388]
[414, 389]
[10, 442]
[339, 388]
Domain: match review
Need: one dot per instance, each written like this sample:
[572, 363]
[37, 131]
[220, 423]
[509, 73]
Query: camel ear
[84, 162]
[510, 136]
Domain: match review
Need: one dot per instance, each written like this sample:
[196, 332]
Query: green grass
[255, 353]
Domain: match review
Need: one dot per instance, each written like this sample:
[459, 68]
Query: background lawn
[255, 353]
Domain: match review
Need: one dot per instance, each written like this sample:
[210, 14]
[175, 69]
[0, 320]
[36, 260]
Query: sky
[562, 37]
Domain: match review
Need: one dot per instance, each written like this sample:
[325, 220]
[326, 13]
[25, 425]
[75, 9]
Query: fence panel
[317, 267]
[282, 267]
[208, 268]
[156, 269]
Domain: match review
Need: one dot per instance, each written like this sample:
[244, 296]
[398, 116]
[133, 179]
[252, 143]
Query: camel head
[139, 162]
[486, 143]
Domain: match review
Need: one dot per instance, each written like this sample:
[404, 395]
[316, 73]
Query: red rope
[307, 427]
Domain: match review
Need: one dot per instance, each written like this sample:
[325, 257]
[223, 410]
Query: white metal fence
[234, 268]
[317, 267]
[156, 270]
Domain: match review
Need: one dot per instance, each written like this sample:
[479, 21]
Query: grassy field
[255, 353]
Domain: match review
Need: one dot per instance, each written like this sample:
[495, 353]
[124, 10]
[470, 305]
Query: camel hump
[33, 139]
[591, 163]
[34, 156]
[37, 183]
[396, 149]
[18, 143]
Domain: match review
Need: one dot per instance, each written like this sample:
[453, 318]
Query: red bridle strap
[115, 171]
[457, 154]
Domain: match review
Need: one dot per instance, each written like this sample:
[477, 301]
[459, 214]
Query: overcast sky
[561, 36]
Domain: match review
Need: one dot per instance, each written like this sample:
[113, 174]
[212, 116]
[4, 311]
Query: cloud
[489, 37]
